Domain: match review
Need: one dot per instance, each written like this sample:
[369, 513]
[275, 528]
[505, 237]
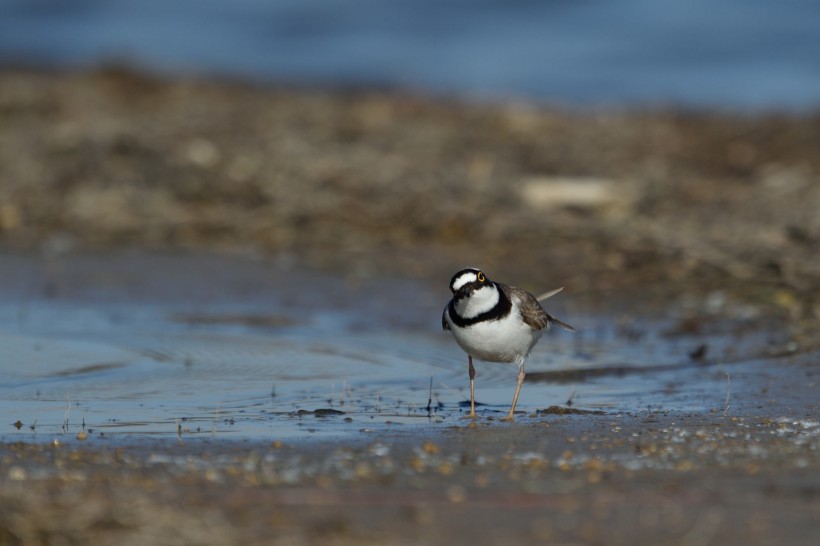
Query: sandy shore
[573, 479]
[600, 198]
[630, 210]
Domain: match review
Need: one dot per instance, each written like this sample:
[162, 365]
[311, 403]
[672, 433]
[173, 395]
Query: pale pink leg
[472, 389]
[521, 375]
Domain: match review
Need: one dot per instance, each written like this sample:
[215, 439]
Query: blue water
[140, 343]
[737, 54]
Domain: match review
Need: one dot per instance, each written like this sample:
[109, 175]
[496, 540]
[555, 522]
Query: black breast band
[499, 311]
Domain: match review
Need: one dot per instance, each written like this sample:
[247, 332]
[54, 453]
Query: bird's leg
[472, 389]
[521, 375]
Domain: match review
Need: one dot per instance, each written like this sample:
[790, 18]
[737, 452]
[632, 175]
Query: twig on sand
[728, 393]
[430, 399]
[67, 413]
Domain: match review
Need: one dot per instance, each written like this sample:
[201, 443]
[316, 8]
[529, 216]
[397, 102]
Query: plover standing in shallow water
[496, 323]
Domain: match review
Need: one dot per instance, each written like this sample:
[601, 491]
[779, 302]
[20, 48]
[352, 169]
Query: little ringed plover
[495, 323]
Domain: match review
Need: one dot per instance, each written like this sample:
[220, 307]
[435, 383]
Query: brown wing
[531, 311]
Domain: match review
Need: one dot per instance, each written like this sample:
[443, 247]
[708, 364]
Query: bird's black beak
[463, 292]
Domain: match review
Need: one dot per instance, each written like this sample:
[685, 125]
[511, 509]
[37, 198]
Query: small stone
[416, 464]
[325, 412]
[456, 494]
[202, 152]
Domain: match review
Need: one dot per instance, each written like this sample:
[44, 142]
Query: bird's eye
[480, 277]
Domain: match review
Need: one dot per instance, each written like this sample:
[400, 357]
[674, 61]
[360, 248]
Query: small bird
[495, 323]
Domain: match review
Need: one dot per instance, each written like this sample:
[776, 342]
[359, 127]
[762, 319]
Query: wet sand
[689, 258]
[614, 479]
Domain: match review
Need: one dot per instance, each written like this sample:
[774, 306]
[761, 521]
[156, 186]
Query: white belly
[506, 340]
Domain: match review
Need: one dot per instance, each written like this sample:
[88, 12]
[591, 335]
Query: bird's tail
[561, 323]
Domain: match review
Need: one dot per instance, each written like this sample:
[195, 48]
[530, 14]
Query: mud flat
[197, 278]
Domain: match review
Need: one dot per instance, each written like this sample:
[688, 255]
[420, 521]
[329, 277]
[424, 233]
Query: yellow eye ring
[480, 276]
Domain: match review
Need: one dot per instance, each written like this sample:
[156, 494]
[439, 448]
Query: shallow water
[236, 347]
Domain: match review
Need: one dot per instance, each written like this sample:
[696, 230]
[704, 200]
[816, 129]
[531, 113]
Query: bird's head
[467, 281]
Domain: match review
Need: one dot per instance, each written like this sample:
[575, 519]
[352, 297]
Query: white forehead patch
[467, 277]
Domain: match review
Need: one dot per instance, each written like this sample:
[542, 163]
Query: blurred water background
[730, 54]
